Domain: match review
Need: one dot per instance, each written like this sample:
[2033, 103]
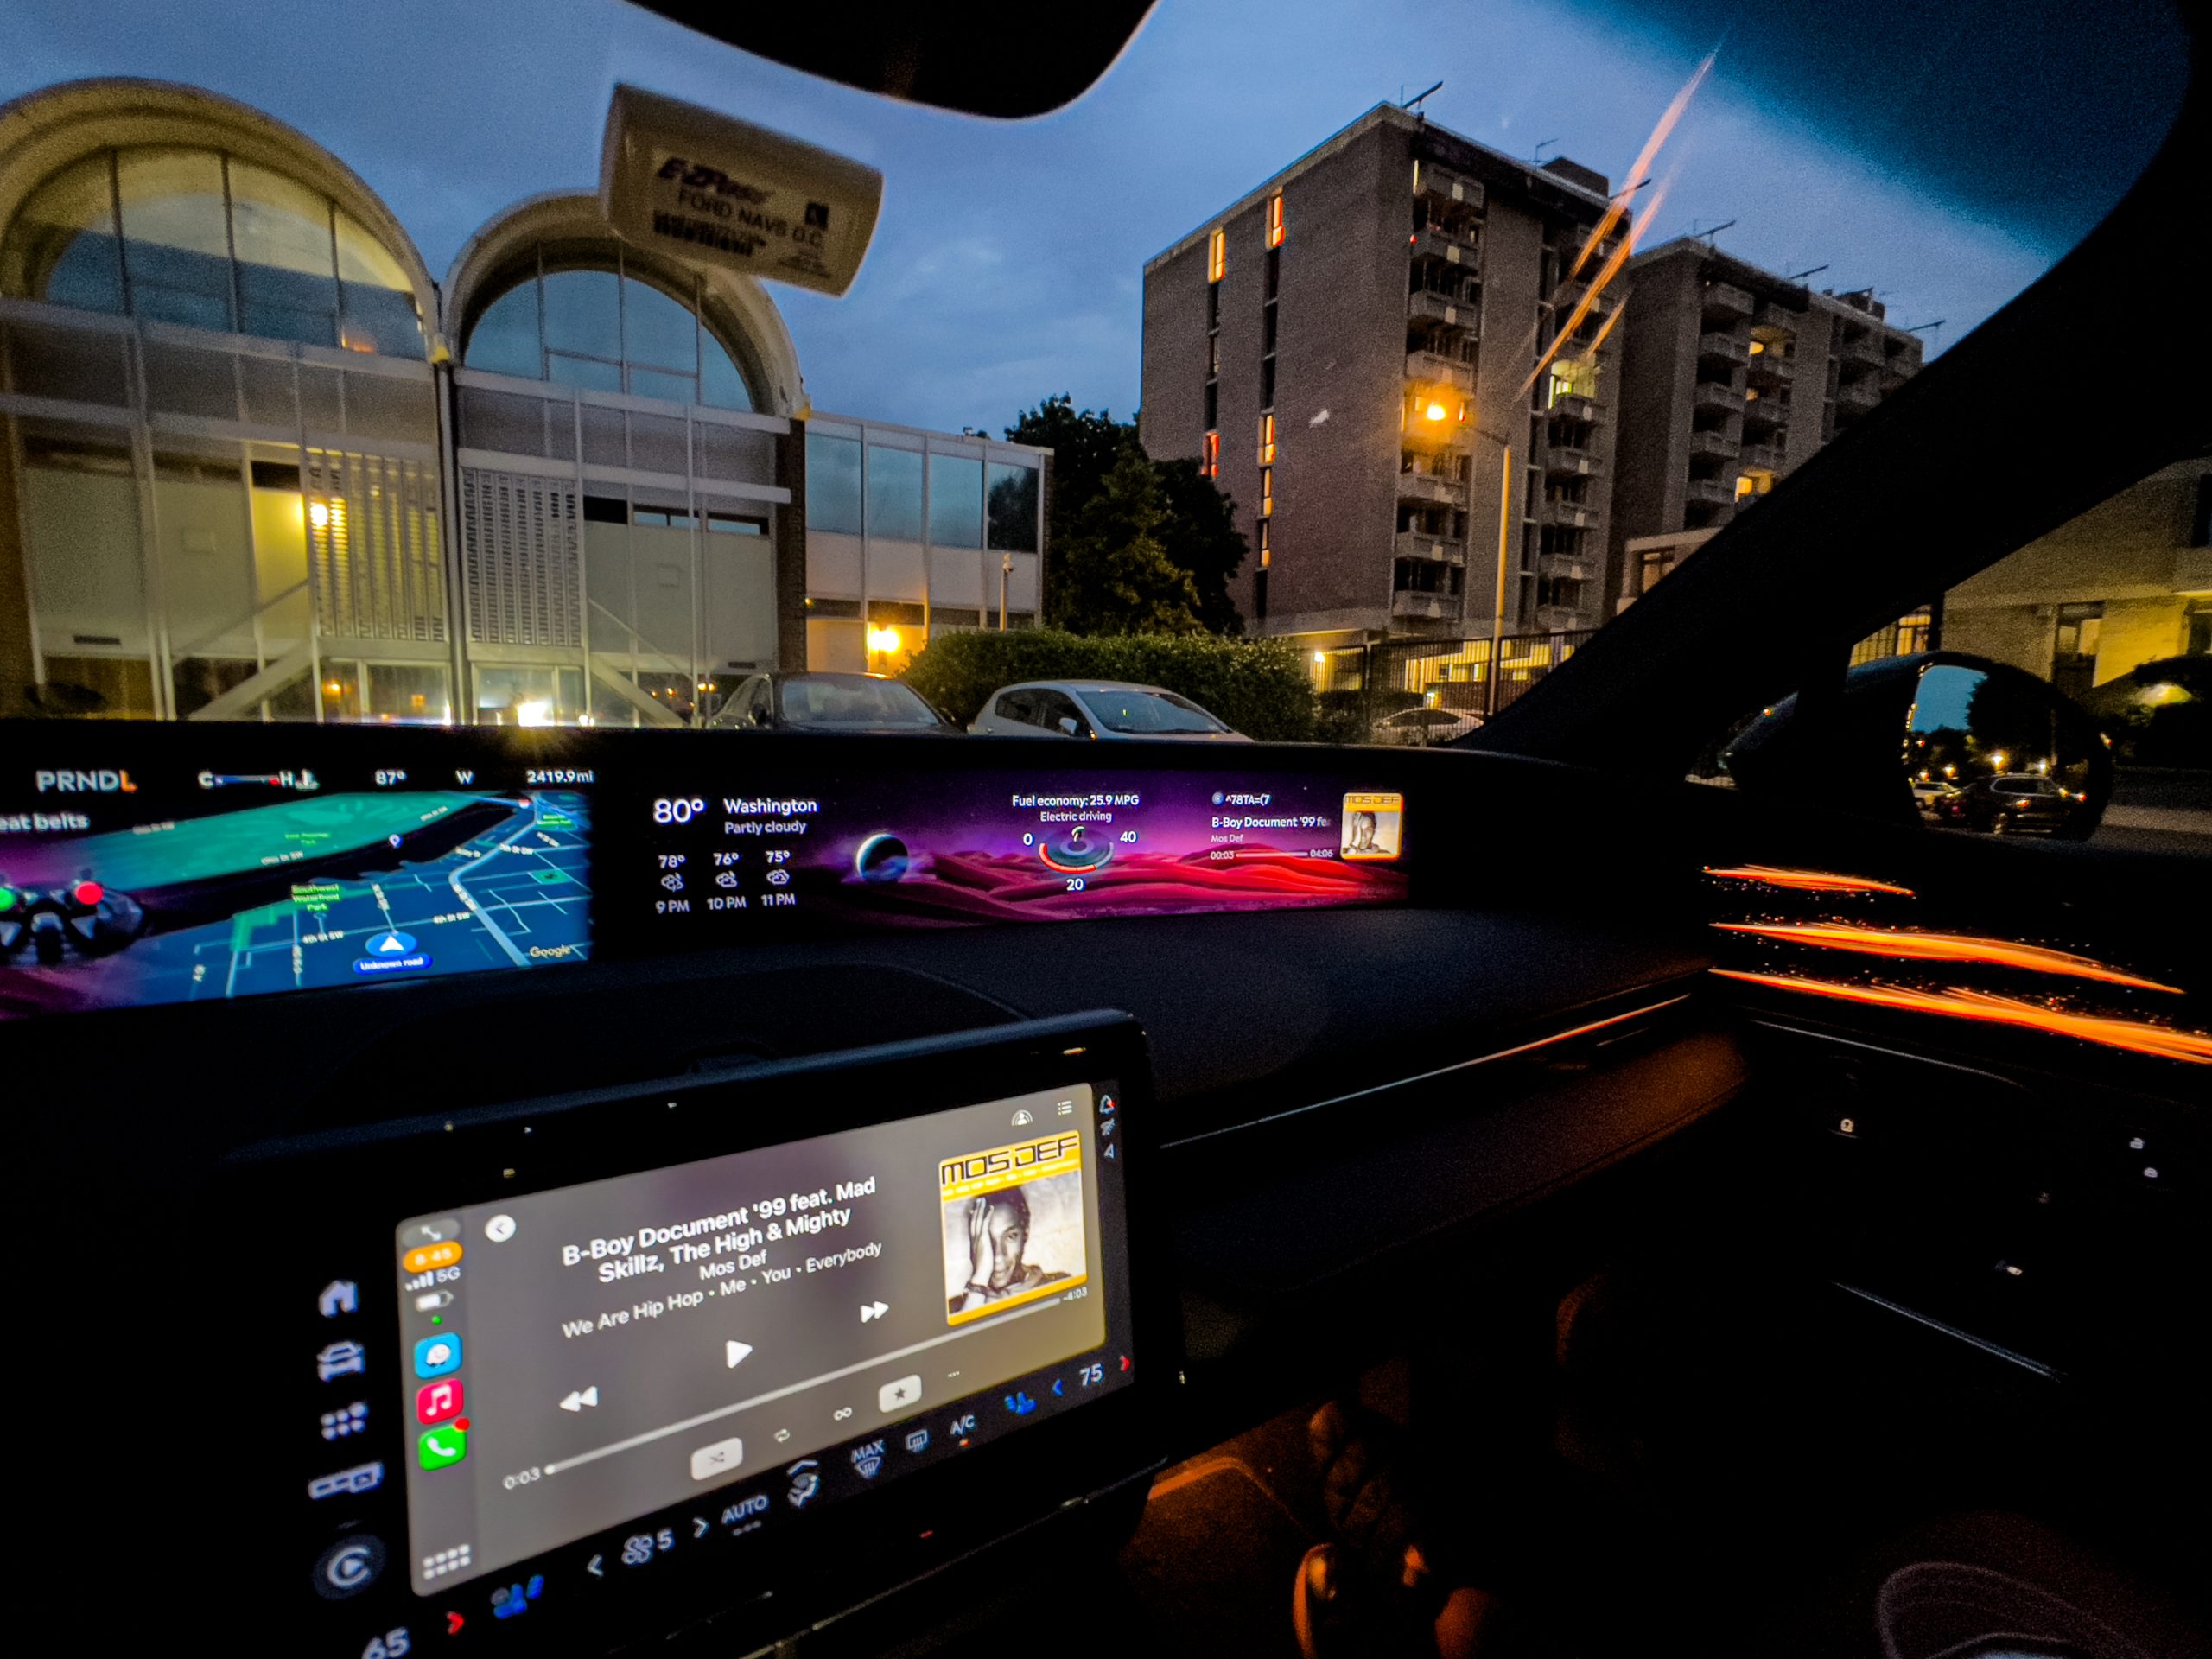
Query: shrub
[1259, 687]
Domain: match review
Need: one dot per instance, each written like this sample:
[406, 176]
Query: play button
[393, 943]
[735, 1352]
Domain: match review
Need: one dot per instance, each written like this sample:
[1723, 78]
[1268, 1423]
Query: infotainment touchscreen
[755, 1335]
[756, 1344]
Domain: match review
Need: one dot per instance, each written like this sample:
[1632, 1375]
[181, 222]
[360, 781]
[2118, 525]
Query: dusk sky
[1008, 261]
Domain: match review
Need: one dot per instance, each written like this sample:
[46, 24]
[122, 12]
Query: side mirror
[1949, 741]
[756, 715]
[1069, 725]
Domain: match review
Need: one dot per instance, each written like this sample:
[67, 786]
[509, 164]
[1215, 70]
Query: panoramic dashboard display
[1013, 846]
[752, 1337]
[164, 865]
[126, 886]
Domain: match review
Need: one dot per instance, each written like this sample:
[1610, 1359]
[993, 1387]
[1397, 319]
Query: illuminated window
[1267, 552]
[1274, 222]
[1216, 255]
[1267, 492]
[1209, 462]
[1267, 440]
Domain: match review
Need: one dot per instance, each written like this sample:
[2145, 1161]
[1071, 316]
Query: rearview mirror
[1953, 742]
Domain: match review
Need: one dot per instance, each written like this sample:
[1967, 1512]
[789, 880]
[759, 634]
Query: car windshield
[445, 446]
[1147, 713]
[852, 700]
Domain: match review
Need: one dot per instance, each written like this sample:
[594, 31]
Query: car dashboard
[574, 1163]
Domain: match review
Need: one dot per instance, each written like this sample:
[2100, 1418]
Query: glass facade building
[256, 464]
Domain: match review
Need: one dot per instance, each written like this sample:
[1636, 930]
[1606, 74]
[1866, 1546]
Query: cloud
[1008, 263]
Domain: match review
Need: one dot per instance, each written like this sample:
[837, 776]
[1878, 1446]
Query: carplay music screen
[758, 1335]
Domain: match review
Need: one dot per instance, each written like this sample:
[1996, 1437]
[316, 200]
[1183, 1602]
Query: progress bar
[689, 1423]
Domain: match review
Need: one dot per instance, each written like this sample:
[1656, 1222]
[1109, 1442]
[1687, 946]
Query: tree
[1196, 531]
[1084, 446]
[1201, 536]
[1112, 573]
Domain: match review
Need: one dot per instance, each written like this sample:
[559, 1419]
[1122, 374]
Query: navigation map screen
[119, 888]
[755, 1337]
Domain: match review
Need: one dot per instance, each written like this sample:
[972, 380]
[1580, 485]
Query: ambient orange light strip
[1944, 947]
[1805, 881]
[2157, 1041]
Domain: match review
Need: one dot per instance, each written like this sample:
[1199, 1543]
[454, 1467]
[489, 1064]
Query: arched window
[605, 330]
[200, 237]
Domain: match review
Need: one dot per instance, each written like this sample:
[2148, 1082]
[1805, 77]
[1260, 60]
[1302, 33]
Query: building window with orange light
[1267, 492]
[1216, 256]
[1274, 222]
[1210, 455]
[1266, 548]
[1267, 440]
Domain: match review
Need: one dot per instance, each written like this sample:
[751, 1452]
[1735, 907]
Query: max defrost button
[720, 1459]
[897, 1396]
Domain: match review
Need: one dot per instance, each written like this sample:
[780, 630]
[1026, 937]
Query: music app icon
[438, 1403]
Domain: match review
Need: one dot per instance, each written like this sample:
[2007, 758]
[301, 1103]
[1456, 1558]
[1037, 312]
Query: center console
[751, 1348]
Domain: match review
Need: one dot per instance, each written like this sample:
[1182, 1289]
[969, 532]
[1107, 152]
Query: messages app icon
[437, 1356]
[441, 1447]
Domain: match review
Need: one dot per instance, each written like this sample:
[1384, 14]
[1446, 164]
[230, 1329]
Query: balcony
[1724, 348]
[1430, 489]
[1454, 250]
[1566, 567]
[1445, 185]
[1715, 394]
[1430, 436]
[1713, 443]
[1434, 369]
[1770, 368]
[1726, 300]
[1866, 348]
[1440, 310]
[1570, 515]
[1762, 458]
[1563, 462]
[1559, 619]
[1711, 492]
[1858, 396]
[1765, 416]
[1407, 602]
[1574, 406]
[1436, 550]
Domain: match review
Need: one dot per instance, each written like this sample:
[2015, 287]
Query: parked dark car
[827, 703]
[2013, 803]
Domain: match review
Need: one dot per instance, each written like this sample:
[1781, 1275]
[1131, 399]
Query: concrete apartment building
[1731, 376]
[257, 463]
[1347, 349]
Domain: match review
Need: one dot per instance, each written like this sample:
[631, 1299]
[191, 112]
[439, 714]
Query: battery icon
[435, 1299]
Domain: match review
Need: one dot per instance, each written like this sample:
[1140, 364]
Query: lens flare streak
[1944, 947]
[1805, 881]
[1959, 1003]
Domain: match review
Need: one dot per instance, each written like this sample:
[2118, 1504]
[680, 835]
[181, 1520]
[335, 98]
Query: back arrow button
[592, 1566]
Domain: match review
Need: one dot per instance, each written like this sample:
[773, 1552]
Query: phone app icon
[438, 1403]
[437, 1356]
[441, 1448]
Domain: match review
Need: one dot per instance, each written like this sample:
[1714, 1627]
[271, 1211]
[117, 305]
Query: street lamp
[882, 642]
[1006, 576]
